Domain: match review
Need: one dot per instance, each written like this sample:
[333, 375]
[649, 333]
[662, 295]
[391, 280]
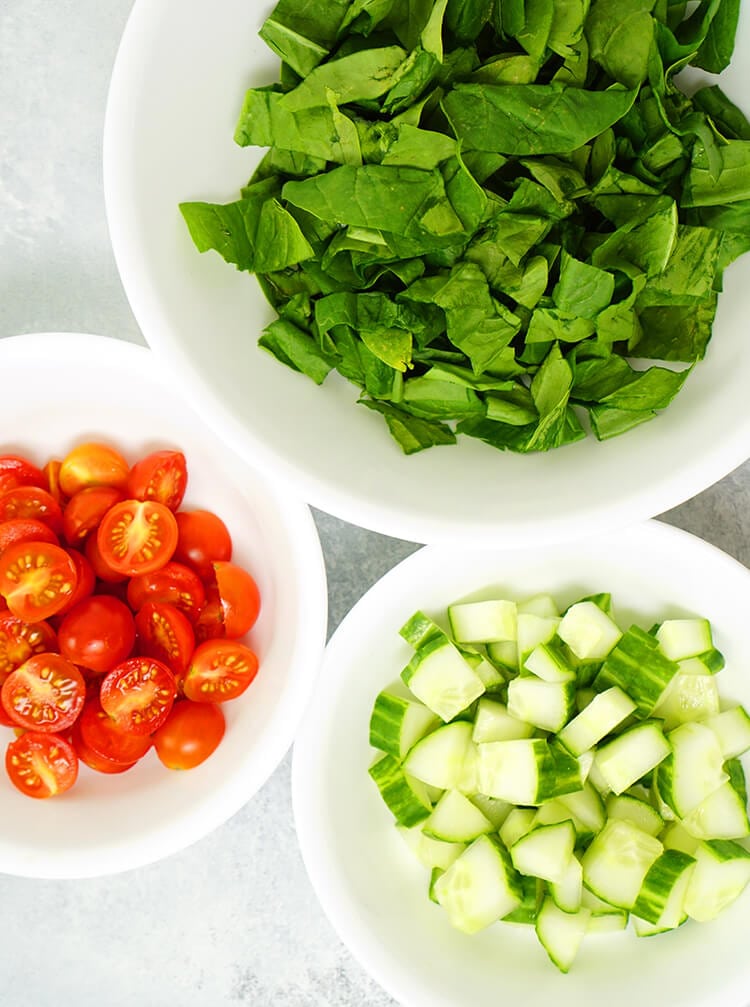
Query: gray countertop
[233, 919]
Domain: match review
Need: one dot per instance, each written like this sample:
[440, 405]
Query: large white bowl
[369, 883]
[62, 389]
[176, 92]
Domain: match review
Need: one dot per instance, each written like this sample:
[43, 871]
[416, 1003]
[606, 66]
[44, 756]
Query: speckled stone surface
[232, 920]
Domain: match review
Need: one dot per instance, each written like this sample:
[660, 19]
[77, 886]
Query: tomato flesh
[174, 584]
[239, 598]
[36, 579]
[98, 633]
[165, 634]
[20, 640]
[138, 694]
[46, 693]
[137, 536]
[190, 734]
[41, 765]
[219, 670]
[85, 581]
[31, 502]
[102, 735]
[160, 476]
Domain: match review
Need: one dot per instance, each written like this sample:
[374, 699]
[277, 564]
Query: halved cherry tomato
[85, 583]
[98, 633]
[31, 502]
[137, 536]
[17, 471]
[138, 694]
[85, 509]
[239, 598]
[36, 579]
[20, 640]
[52, 476]
[92, 464]
[101, 734]
[41, 765]
[25, 529]
[219, 670]
[191, 733]
[175, 584]
[210, 622]
[202, 538]
[93, 759]
[46, 693]
[166, 634]
[160, 476]
[101, 568]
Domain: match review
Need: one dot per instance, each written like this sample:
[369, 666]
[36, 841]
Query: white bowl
[176, 92]
[369, 883]
[62, 389]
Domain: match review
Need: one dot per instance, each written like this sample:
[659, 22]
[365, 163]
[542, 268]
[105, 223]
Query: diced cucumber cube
[616, 862]
[720, 875]
[468, 782]
[585, 761]
[483, 621]
[682, 638]
[420, 629]
[567, 893]
[736, 774]
[435, 873]
[526, 771]
[549, 662]
[688, 697]
[552, 812]
[438, 758]
[635, 811]
[639, 668]
[732, 728]
[608, 921]
[533, 895]
[493, 723]
[694, 769]
[430, 852]
[631, 755]
[676, 837]
[709, 663]
[588, 631]
[454, 819]
[480, 887]
[504, 654]
[721, 815]
[399, 720]
[442, 679]
[534, 630]
[587, 809]
[660, 900]
[491, 676]
[494, 810]
[564, 775]
[547, 705]
[404, 795]
[561, 933]
[517, 823]
[545, 851]
[543, 605]
[602, 715]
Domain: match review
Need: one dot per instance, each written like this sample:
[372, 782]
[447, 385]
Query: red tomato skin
[239, 597]
[20, 640]
[18, 471]
[52, 481]
[85, 509]
[20, 567]
[102, 735]
[191, 733]
[160, 476]
[31, 750]
[165, 633]
[175, 584]
[92, 464]
[31, 502]
[101, 568]
[219, 670]
[93, 759]
[202, 539]
[45, 694]
[98, 633]
[25, 529]
[85, 583]
[137, 536]
[138, 694]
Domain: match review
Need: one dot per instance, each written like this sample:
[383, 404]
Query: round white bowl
[176, 92]
[60, 389]
[368, 882]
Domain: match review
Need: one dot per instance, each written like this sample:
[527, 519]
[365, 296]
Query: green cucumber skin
[658, 882]
[397, 792]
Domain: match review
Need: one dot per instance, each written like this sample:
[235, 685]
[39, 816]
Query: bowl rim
[385, 516]
[307, 571]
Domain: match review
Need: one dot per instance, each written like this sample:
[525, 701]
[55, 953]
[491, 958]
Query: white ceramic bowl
[62, 389]
[176, 92]
[370, 884]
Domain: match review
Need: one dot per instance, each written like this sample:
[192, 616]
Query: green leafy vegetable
[502, 220]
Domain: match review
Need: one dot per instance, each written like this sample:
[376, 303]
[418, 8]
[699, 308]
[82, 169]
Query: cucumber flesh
[454, 819]
[732, 729]
[441, 677]
[438, 758]
[568, 892]
[545, 852]
[561, 933]
[683, 638]
[480, 887]
[721, 815]
[635, 811]
[598, 718]
[398, 720]
[720, 875]
[617, 861]
[588, 631]
[694, 769]
[631, 755]
[544, 704]
[493, 722]
[483, 621]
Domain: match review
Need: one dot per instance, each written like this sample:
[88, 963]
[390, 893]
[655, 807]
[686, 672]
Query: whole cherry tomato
[202, 538]
[18, 471]
[92, 464]
[191, 733]
[98, 633]
[31, 502]
[25, 529]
